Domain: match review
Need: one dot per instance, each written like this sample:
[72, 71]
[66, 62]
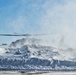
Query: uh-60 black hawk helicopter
[25, 35]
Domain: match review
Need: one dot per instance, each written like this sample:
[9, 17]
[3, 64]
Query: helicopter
[28, 35]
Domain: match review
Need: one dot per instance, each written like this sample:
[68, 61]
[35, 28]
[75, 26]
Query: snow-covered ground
[51, 73]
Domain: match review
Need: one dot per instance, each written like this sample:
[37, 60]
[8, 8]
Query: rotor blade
[22, 34]
[15, 35]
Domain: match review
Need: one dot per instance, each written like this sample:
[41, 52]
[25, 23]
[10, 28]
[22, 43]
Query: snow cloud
[60, 20]
[57, 17]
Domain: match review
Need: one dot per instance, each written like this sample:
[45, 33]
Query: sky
[57, 17]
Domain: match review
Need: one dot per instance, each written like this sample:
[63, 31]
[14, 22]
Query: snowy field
[51, 73]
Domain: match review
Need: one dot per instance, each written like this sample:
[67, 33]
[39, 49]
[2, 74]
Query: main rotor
[27, 35]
